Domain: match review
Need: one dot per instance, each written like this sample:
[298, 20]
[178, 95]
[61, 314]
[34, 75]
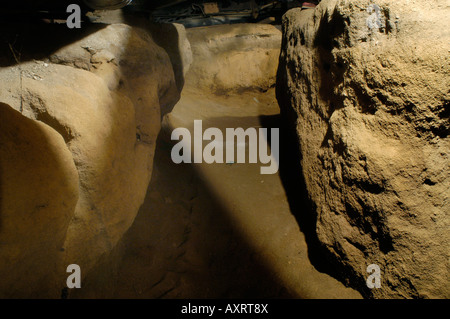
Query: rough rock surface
[71, 187]
[365, 83]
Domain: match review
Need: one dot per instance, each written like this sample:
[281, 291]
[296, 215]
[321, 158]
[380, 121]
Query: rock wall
[77, 139]
[234, 58]
[365, 85]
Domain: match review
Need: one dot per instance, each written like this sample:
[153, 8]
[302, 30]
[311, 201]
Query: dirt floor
[215, 230]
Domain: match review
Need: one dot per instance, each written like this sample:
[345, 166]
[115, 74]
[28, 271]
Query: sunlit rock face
[231, 59]
[366, 89]
[77, 139]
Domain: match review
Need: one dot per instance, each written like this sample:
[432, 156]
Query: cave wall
[231, 59]
[365, 87]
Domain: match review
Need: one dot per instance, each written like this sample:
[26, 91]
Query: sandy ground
[215, 230]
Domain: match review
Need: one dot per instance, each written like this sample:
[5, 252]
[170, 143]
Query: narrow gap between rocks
[222, 230]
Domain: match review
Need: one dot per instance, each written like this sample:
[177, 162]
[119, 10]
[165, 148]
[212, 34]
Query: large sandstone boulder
[38, 194]
[366, 87]
[70, 188]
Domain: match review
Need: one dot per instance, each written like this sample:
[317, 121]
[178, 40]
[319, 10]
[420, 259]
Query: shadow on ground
[301, 206]
[181, 245]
